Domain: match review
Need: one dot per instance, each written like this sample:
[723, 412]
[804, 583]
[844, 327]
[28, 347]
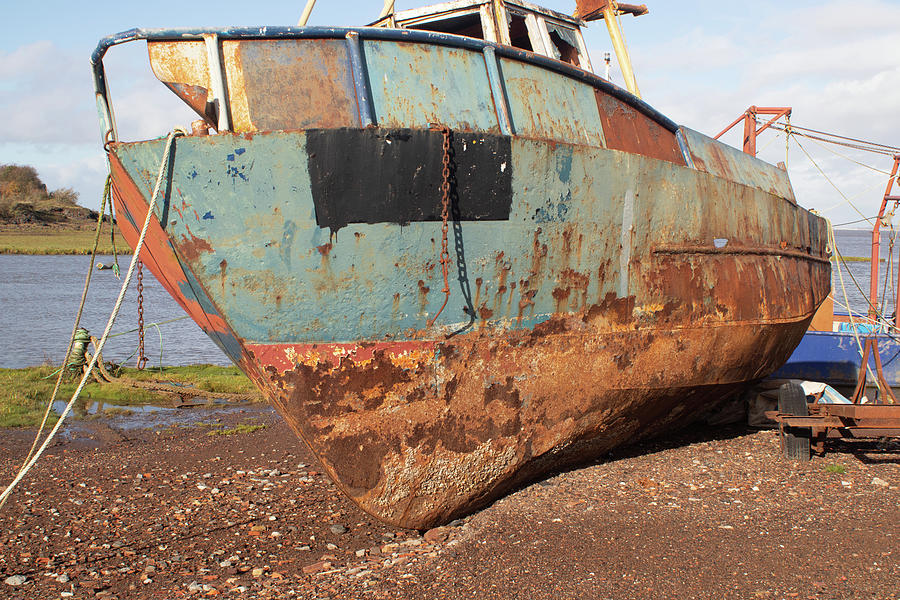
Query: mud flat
[224, 502]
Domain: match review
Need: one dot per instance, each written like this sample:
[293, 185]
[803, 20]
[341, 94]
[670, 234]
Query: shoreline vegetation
[44, 240]
[24, 393]
[34, 220]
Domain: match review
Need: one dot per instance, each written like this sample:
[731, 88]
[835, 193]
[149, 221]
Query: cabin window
[563, 43]
[518, 32]
[466, 24]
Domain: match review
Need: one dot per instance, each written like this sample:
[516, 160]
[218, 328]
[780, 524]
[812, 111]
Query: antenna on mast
[609, 11]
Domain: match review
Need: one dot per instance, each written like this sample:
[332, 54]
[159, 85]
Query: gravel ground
[130, 507]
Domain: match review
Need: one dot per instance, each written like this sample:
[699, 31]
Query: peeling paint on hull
[611, 273]
[558, 345]
[423, 434]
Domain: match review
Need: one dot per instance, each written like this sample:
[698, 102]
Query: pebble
[436, 535]
[317, 567]
[15, 580]
[119, 538]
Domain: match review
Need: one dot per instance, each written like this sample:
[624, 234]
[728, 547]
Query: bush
[16, 180]
[65, 195]
[24, 199]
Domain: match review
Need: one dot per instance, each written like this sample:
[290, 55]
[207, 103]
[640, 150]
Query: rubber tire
[792, 401]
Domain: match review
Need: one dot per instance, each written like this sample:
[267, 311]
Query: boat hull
[833, 357]
[611, 297]
[420, 434]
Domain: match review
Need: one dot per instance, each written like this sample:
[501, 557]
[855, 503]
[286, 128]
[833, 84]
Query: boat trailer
[805, 426]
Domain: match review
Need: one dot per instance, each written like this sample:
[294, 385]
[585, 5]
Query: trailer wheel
[794, 440]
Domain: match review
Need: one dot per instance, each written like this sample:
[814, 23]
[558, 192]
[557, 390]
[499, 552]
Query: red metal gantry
[819, 421]
[750, 123]
[807, 425]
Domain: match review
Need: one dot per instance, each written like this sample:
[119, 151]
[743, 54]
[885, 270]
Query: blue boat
[834, 357]
[454, 263]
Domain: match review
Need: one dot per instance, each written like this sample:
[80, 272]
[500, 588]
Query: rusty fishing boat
[449, 254]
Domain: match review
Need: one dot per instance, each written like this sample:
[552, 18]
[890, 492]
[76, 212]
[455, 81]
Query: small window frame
[483, 11]
[584, 60]
[538, 44]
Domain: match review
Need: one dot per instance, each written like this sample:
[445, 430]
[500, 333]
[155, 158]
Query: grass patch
[211, 378]
[834, 468]
[242, 428]
[24, 392]
[58, 241]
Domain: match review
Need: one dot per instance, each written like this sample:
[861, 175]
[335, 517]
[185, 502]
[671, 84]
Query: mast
[876, 247]
[609, 10]
[750, 124]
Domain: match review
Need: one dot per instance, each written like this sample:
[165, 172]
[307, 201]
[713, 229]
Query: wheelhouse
[514, 23]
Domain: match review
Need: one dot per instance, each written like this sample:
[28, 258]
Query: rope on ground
[112, 318]
[185, 391]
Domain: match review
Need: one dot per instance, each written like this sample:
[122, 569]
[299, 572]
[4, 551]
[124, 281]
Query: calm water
[859, 243]
[39, 296]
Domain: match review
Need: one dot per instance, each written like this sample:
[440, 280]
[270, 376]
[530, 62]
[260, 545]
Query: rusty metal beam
[860, 412]
[750, 129]
[592, 10]
[876, 245]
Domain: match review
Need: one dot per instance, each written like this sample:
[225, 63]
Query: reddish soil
[174, 512]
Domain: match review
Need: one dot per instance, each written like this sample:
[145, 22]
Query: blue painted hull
[612, 275]
[833, 357]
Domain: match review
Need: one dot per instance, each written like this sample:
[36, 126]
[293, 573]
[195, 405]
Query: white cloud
[837, 70]
[144, 107]
[47, 94]
[54, 125]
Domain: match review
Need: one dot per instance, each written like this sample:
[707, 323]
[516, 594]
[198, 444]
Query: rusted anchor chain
[142, 360]
[445, 215]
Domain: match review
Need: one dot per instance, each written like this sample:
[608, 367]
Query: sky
[702, 63]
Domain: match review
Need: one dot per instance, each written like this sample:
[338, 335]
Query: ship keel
[420, 433]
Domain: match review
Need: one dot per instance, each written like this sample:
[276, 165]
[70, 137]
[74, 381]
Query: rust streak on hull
[420, 433]
[612, 277]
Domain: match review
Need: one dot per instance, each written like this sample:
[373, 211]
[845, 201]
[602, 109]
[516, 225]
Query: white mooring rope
[112, 318]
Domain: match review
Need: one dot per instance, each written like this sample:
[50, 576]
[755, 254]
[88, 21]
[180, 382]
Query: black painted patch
[382, 175]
